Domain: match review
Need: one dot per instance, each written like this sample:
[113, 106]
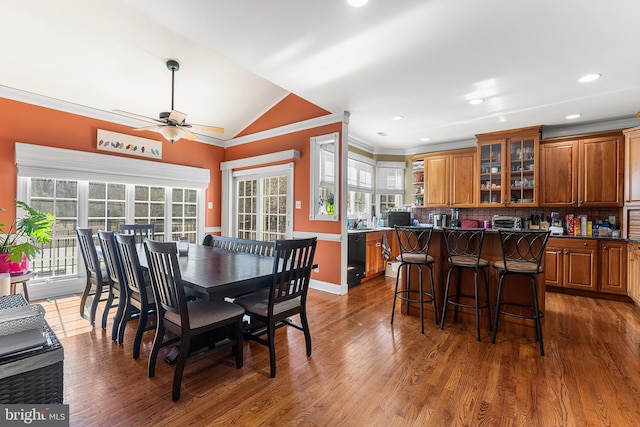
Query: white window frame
[381, 185]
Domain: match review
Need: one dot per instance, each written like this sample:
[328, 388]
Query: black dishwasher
[356, 258]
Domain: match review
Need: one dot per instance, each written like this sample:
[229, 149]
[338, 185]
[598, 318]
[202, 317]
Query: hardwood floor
[366, 372]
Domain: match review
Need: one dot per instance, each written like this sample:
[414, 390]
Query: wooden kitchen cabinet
[572, 263]
[375, 264]
[613, 267]
[582, 172]
[633, 271]
[450, 179]
[508, 168]
[417, 169]
[632, 167]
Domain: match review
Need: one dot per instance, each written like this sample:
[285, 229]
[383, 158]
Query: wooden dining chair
[182, 319]
[98, 279]
[287, 296]
[141, 231]
[139, 302]
[112, 264]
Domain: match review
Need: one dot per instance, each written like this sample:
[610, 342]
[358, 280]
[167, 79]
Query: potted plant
[18, 243]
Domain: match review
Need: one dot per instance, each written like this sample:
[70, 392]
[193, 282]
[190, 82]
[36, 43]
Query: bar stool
[522, 253]
[464, 246]
[414, 247]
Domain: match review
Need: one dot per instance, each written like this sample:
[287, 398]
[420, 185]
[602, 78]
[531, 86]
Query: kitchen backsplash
[481, 214]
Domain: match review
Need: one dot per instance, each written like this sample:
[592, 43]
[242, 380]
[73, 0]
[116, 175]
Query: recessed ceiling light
[573, 116]
[589, 78]
[476, 101]
[383, 134]
[424, 139]
[396, 118]
[357, 3]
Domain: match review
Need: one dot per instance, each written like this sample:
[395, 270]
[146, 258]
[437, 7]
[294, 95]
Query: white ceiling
[421, 59]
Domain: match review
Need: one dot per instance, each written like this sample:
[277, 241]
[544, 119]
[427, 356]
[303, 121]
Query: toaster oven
[506, 222]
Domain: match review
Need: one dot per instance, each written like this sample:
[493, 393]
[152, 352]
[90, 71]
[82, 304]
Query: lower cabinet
[588, 264]
[375, 263]
[613, 267]
[633, 275]
[572, 263]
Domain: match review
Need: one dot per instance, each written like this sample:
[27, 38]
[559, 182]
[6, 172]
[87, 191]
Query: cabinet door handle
[585, 244]
[604, 247]
[581, 201]
[573, 202]
[378, 244]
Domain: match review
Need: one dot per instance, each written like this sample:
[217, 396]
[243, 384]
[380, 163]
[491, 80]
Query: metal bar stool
[464, 246]
[522, 253]
[414, 247]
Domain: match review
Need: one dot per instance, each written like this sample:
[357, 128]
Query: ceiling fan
[171, 125]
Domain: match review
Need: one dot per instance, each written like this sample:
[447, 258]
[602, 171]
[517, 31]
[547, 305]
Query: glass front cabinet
[508, 168]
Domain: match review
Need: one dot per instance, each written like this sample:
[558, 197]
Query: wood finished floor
[366, 372]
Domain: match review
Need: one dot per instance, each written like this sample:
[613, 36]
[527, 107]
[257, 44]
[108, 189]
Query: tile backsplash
[481, 214]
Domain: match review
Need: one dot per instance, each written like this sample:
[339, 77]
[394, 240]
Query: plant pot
[12, 267]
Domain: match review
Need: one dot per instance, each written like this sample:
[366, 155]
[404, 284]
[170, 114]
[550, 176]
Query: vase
[12, 267]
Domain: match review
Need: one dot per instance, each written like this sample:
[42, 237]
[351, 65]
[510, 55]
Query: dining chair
[96, 277]
[207, 240]
[140, 302]
[182, 319]
[414, 245]
[522, 254]
[141, 231]
[286, 297]
[112, 264]
[464, 250]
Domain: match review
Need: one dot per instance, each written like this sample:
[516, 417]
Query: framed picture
[128, 144]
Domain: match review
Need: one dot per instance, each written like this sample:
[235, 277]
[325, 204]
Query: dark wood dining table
[218, 273]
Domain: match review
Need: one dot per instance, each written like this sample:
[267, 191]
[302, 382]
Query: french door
[263, 204]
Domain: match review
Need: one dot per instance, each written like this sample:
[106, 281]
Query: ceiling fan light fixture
[171, 133]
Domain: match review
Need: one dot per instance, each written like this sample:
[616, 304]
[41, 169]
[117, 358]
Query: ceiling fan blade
[188, 134]
[177, 116]
[151, 128]
[137, 116]
[204, 128]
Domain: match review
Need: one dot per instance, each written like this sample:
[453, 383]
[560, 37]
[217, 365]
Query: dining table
[215, 273]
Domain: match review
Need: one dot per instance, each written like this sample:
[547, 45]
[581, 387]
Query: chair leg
[456, 308]
[421, 290]
[271, 338]
[446, 298]
[486, 293]
[142, 325]
[497, 310]
[433, 294]
[124, 319]
[395, 292]
[182, 361]
[94, 304]
[477, 301]
[407, 271]
[85, 295]
[238, 349]
[537, 315]
[105, 314]
[157, 343]
[122, 301]
[305, 328]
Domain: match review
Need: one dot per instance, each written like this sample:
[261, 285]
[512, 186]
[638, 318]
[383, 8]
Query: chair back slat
[110, 255]
[414, 241]
[89, 254]
[464, 243]
[256, 247]
[293, 260]
[523, 246]
[140, 231]
[166, 279]
[133, 275]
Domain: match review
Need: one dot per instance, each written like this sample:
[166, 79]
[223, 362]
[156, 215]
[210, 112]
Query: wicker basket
[20, 319]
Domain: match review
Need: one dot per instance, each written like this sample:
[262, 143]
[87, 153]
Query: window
[389, 184]
[263, 204]
[324, 203]
[149, 208]
[184, 209]
[360, 185]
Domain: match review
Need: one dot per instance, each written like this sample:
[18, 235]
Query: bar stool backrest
[413, 243]
[464, 245]
[523, 250]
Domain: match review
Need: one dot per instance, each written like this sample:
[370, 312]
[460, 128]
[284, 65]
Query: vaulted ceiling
[419, 59]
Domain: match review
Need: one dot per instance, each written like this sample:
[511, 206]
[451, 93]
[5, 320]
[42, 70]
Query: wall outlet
[430, 217]
[209, 205]
[317, 269]
[298, 204]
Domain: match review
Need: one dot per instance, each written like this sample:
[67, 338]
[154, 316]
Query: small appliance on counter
[401, 218]
[441, 220]
[455, 218]
[506, 222]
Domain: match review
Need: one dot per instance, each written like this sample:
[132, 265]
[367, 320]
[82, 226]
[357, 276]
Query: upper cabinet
[449, 179]
[508, 167]
[582, 172]
[632, 167]
[417, 169]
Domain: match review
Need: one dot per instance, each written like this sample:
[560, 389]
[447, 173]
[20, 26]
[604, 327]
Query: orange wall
[31, 124]
[294, 109]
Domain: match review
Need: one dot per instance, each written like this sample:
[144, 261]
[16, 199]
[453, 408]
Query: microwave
[401, 218]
